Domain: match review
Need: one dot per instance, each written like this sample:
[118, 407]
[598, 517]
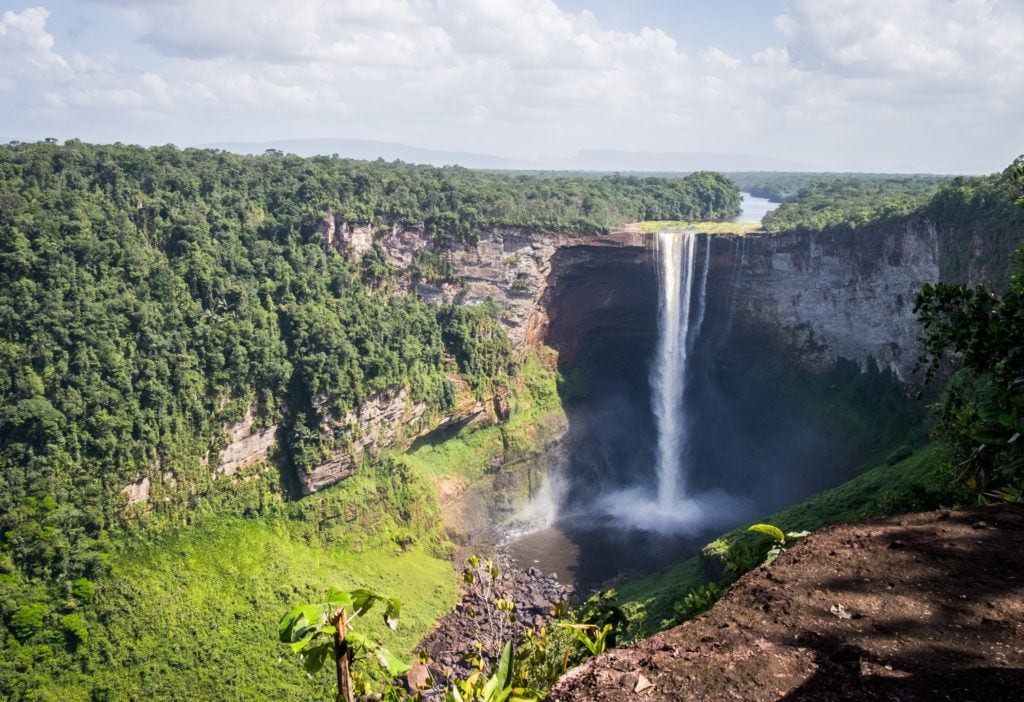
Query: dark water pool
[588, 551]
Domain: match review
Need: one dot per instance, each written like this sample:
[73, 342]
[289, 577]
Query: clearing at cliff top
[924, 606]
[696, 227]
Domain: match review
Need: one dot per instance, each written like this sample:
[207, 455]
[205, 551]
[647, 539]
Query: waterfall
[676, 254]
[702, 297]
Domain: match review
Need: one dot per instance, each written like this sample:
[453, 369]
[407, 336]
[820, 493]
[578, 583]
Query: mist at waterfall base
[629, 505]
[670, 506]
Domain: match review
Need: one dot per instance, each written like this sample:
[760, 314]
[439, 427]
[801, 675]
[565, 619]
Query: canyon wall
[831, 295]
[824, 296]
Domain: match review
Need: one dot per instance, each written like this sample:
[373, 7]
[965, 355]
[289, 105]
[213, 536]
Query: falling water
[702, 297]
[676, 254]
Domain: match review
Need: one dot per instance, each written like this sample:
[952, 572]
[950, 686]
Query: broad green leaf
[313, 659]
[301, 643]
[362, 601]
[391, 663]
[769, 530]
[502, 677]
[286, 625]
[338, 598]
[310, 619]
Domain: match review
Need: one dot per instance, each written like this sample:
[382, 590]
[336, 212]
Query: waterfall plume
[676, 254]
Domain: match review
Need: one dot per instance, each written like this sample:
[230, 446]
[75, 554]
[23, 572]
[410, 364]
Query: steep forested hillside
[784, 187]
[148, 297]
[847, 203]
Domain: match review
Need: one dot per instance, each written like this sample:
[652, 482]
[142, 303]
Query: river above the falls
[754, 208]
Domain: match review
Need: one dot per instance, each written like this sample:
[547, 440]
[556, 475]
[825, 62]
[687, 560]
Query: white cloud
[26, 49]
[836, 80]
[921, 39]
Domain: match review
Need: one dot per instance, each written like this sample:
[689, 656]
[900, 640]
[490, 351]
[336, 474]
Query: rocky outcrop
[477, 618]
[378, 423]
[918, 607]
[830, 295]
[137, 492]
[508, 265]
[352, 239]
[247, 444]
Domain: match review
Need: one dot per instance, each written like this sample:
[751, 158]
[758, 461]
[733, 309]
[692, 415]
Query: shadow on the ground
[956, 642]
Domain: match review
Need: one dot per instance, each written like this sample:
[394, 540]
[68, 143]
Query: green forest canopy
[149, 296]
[848, 203]
[787, 186]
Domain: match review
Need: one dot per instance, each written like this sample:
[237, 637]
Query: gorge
[287, 372]
[788, 324]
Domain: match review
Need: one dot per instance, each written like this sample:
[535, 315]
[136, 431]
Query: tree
[982, 412]
[320, 631]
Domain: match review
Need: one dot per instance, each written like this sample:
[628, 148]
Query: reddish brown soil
[936, 612]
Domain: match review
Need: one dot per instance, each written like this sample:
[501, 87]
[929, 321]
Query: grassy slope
[192, 612]
[195, 614]
[469, 453]
[921, 481]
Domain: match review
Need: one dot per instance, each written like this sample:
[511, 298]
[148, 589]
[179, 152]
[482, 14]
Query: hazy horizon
[920, 86]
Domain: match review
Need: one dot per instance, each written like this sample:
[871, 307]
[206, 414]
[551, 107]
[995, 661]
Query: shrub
[28, 620]
[698, 601]
[74, 628]
[84, 590]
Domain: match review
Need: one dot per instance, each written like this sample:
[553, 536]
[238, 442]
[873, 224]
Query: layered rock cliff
[822, 296]
[830, 295]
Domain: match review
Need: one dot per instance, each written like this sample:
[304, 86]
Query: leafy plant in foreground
[698, 601]
[1008, 493]
[321, 631]
[593, 637]
[781, 541]
[500, 686]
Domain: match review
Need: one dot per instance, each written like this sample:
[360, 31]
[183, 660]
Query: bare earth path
[919, 607]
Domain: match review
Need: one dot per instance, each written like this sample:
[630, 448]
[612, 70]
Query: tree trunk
[341, 657]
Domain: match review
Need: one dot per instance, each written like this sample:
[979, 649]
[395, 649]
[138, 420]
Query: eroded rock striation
[822, 296]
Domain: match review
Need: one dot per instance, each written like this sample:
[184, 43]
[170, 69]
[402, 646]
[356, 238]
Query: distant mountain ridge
[609, 160]
[370, 150]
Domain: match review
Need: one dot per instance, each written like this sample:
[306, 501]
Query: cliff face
[247, 444]
[509, 265]
[823, 296]
[830, 296]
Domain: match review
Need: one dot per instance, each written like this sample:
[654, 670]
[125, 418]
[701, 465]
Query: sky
[870, 85]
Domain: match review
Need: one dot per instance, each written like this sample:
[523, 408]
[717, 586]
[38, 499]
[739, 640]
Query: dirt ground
[925, 606]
